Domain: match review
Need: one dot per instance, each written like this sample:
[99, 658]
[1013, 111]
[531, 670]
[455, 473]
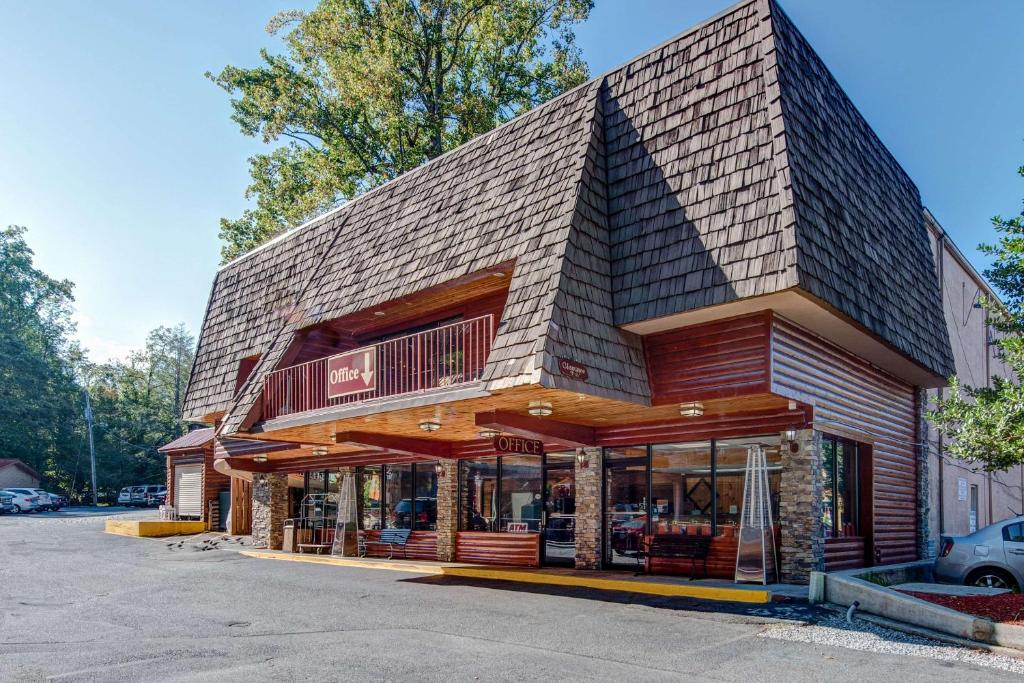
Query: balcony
[442, 357]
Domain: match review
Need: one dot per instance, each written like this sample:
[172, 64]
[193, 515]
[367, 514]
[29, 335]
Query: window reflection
[479, 487]
[520, 491]
[371, 494]
[681, 488]
[730, 474]
[625, 513]
[398, 497]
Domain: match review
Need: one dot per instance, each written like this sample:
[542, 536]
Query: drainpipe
[942, 390]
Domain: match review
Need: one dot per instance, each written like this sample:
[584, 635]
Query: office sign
[572, 369]
[352, 372]
[517, 444]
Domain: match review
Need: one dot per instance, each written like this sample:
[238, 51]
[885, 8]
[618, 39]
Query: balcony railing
[442, 357]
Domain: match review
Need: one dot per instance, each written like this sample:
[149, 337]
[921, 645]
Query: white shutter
[188, 490]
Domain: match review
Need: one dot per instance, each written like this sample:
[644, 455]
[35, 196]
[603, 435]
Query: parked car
[993, 556]
[61, 501]
[138, 496]
[46, 501]
[6, 503]
[25, 500]
[125, 496]
[157, 497]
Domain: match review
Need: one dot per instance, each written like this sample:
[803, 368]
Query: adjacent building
[567, 336]
[15, 473]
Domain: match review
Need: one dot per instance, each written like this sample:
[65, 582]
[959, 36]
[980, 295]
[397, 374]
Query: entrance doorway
[558, 526]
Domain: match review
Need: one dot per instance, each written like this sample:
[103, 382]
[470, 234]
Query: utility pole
[92, 447]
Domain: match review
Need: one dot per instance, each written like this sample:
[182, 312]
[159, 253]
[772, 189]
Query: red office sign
[352, 372]
[572, 369]
[517, 444]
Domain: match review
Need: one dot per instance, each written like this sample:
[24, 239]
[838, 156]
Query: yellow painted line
[346, 562]
[580, 580]
[646, 587]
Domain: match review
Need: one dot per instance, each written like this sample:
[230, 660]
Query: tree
[986, 424]
[137, 407]
[368, 89]
[39, 395]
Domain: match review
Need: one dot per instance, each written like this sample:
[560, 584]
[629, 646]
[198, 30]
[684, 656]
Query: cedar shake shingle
[724, 164]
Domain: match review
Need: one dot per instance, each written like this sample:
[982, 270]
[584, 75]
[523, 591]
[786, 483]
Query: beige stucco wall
[1000, 495]
[15, 477]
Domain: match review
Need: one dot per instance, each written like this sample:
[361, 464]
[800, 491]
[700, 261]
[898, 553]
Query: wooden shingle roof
[724, 164]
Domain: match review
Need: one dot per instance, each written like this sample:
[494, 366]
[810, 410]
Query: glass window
[425, 515]
[479, 493]
[730, 476]
[520, 491]
[1014, 533]
[625, 501]
[681, 488]
[371, 497]
[839, 511]
[398, 497]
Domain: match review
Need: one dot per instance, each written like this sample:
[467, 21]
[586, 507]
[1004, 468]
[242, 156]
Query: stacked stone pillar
[447, 509]
[269, 510]
[802, 545]
[588, 509]
[925, 543]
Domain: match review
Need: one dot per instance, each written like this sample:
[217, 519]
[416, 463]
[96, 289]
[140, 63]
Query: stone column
[588, 510]
[925, 543]
[269, 509]
[447, 509]
[802, 546]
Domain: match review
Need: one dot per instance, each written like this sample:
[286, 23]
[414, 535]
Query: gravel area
[867, 637]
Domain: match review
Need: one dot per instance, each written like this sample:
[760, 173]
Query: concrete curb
[846, 587]
[152, 528]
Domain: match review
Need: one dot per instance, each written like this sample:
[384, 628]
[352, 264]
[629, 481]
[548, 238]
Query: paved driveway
[77, 604]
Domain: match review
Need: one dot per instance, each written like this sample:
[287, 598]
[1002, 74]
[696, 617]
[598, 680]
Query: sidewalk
[670, 586]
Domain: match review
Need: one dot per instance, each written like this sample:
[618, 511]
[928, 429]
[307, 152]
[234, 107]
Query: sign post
[352, 372]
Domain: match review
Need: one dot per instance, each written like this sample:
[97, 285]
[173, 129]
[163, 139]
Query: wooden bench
[318, 547]
[391, 538]
[679, 546]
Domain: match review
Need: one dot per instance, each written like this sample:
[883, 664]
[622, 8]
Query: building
[963, 497]
[16, 474]
[702, 252]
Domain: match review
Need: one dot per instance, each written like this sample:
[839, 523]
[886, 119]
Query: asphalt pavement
[78, 604]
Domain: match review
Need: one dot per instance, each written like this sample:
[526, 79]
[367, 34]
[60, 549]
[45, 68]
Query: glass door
[559, 519]
[626, 506]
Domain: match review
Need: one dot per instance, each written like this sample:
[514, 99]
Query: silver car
[993, 556]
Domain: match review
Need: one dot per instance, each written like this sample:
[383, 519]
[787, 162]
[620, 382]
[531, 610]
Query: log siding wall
[855, 399]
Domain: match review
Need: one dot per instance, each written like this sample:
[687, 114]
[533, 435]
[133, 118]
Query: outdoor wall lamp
[581, 458]
[790, 434]
[692, 409]
[539, 408]
[489, 433]
[431, 425]
[439, 470]
[259, 458]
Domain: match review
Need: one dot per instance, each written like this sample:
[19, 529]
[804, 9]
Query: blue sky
[119, 156]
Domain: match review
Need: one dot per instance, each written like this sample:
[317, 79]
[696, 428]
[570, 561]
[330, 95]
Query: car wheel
[17, 509]
[991, 577]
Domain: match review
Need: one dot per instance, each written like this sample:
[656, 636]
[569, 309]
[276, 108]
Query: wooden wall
[719, 359]
[422, 545]
[213, 483]
[855, 399]
[512, 550]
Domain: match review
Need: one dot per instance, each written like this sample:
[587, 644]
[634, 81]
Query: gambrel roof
[725, 164]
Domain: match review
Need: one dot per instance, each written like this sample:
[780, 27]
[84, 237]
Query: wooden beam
[396, 444]
[572, 435]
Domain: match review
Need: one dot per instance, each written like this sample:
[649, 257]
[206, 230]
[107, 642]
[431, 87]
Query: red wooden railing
[442, 357]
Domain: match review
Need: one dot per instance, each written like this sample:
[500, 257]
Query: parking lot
[78, 604]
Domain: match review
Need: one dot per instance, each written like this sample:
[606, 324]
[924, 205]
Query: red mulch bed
[1007, 608]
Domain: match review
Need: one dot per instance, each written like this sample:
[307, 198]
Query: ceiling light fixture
[379, 314]
[539, 408]
[489, 434]
[692, 409]
[431, 425]
[320, 450]
[259, 458]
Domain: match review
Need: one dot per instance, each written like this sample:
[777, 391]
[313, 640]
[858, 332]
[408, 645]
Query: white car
[25, 500]
[125, 496]
[45, 502]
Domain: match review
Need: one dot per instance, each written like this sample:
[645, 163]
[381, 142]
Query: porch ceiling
[459, 419]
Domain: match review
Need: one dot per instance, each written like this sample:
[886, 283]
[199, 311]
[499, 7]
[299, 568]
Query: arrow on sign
[367, 374]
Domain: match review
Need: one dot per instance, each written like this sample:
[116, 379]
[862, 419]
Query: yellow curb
[646, 587]
[348, 562]
[720, 593]
[152, 528]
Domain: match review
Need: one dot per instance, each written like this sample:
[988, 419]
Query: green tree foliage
[137, 407]
[986, 424]
[39, 398]
[368, 89]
